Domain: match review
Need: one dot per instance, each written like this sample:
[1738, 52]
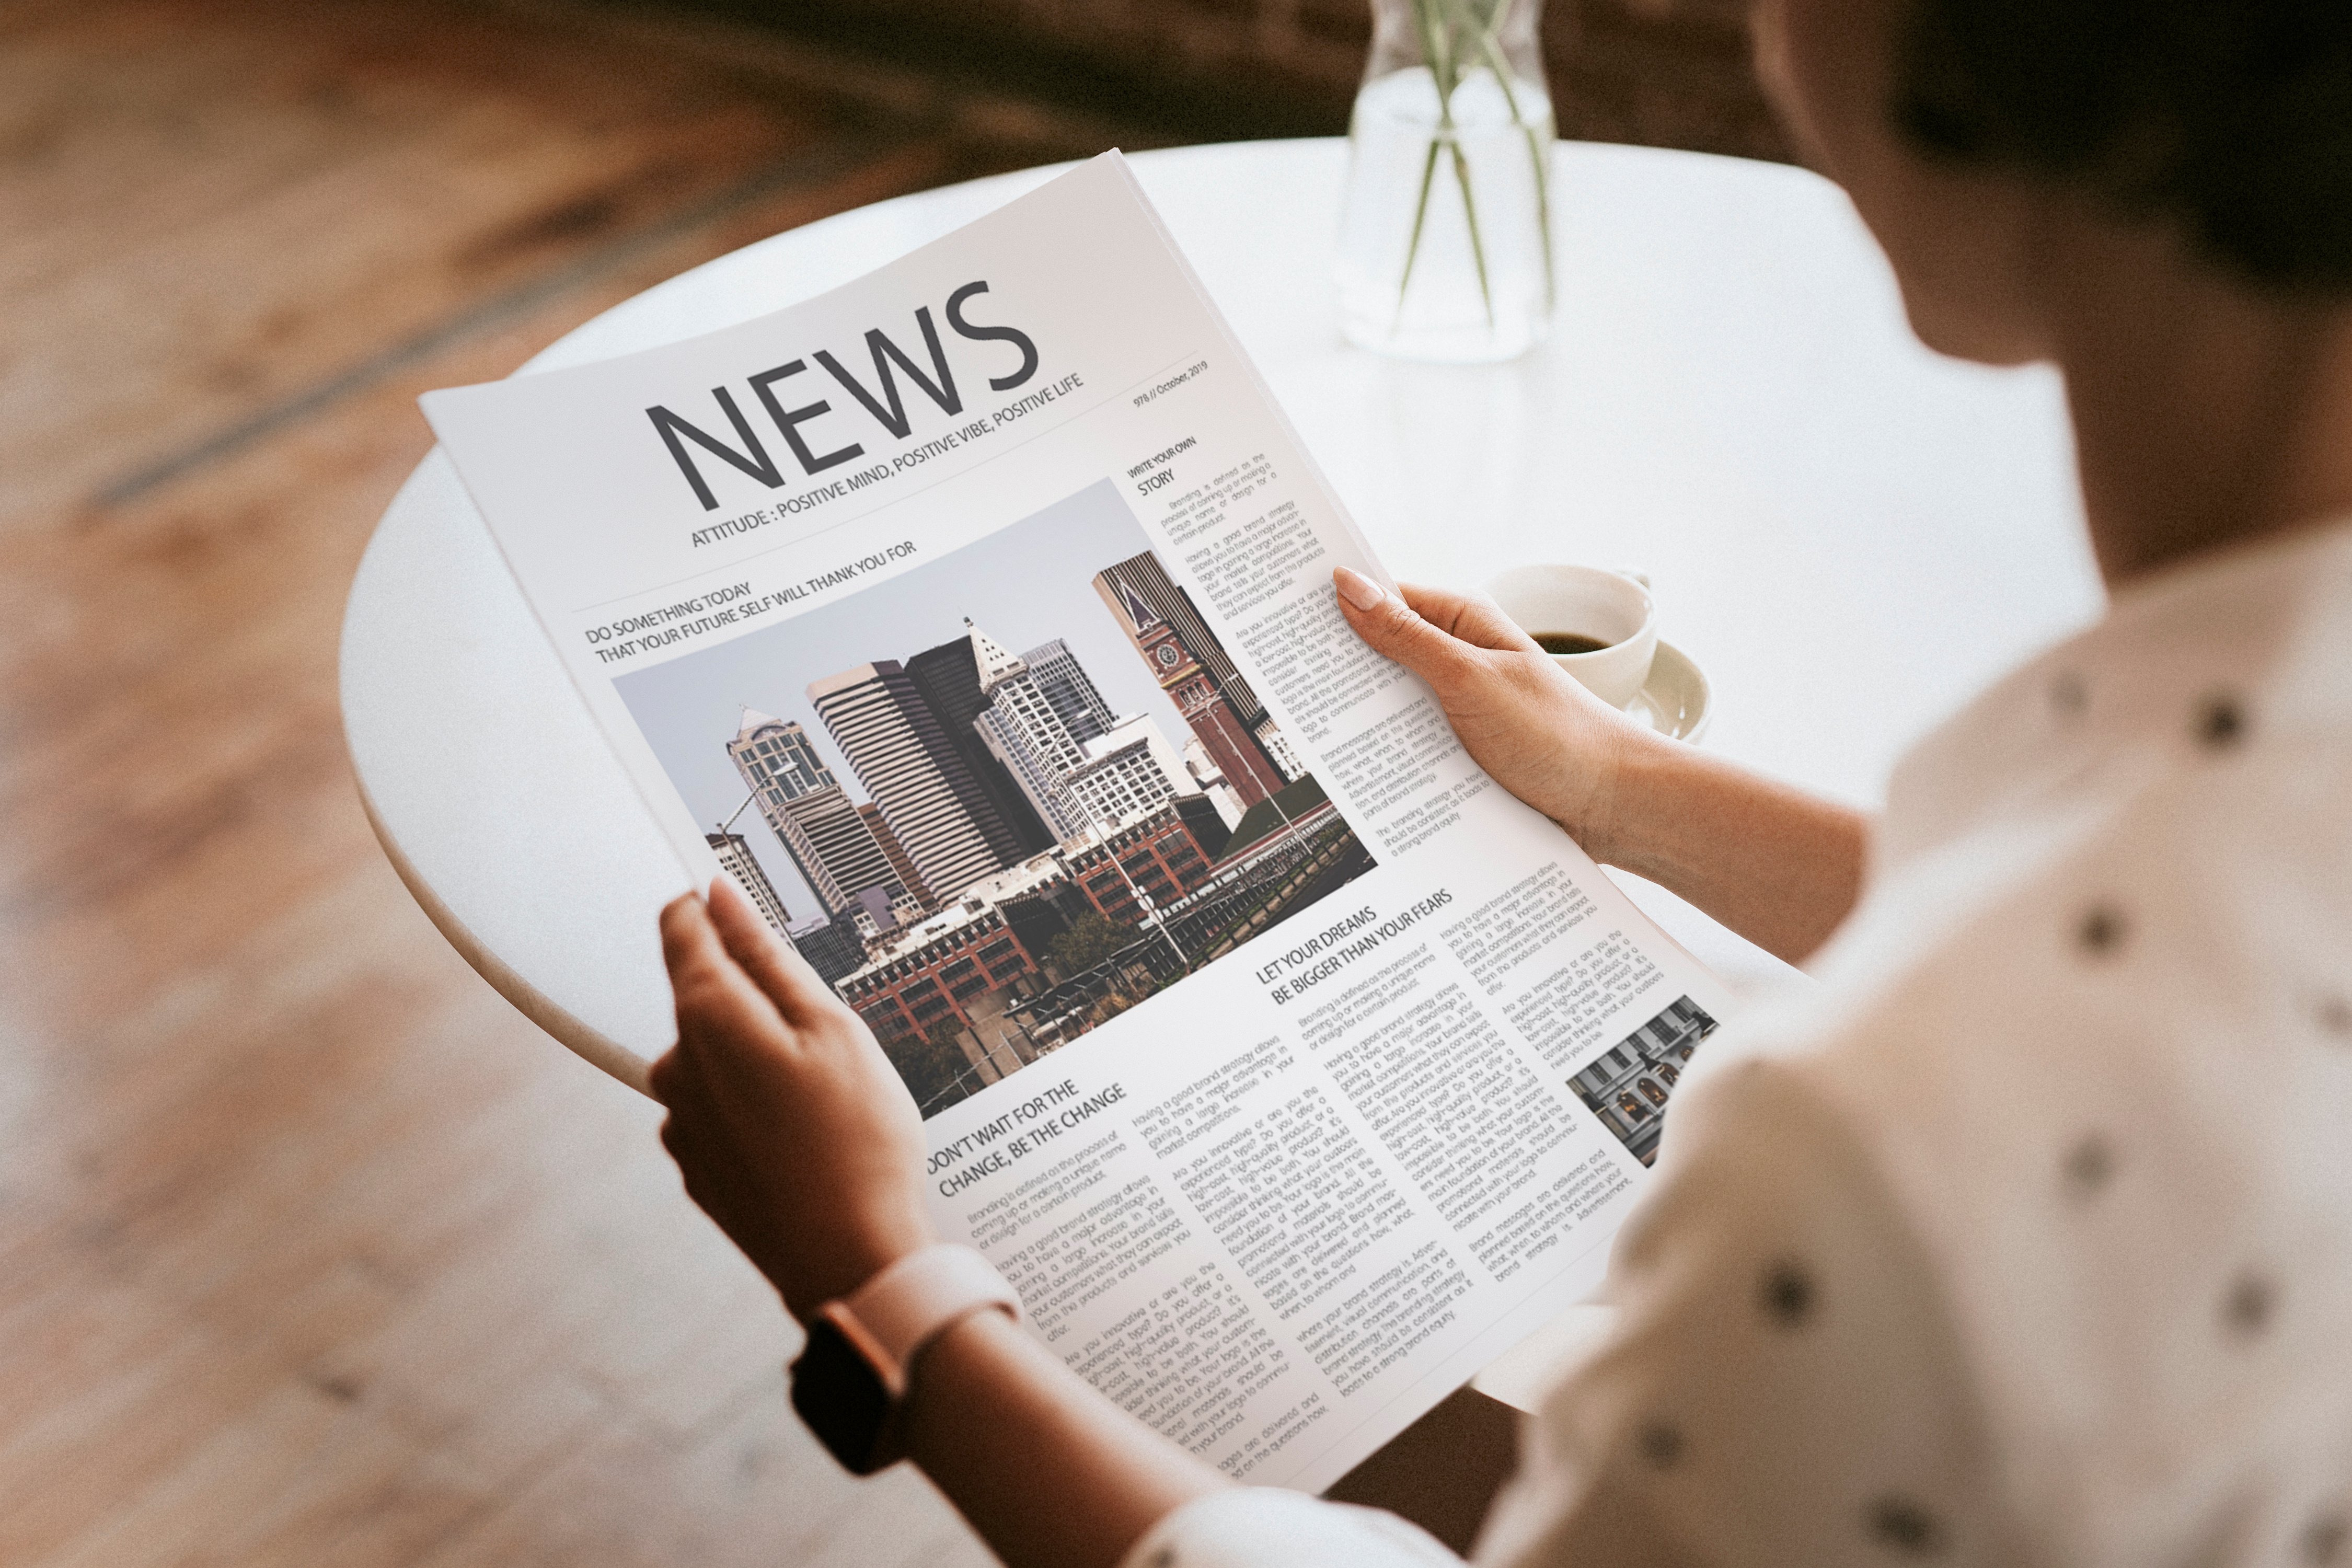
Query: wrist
[974, 1337]
[829, 1270]
[970, 1352]
[854, 1380]
[1619, 819]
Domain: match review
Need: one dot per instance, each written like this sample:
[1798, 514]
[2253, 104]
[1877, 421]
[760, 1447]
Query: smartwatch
[850, 1383]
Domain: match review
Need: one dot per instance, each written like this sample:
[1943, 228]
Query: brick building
[968, 961]
[1166, 855]
[1192, 668]
[937, 972]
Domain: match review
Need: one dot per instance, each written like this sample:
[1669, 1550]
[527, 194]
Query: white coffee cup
[1611, 608]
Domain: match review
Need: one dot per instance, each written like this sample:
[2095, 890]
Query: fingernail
[1355, 588]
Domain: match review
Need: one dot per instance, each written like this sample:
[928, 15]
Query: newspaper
[976, 617]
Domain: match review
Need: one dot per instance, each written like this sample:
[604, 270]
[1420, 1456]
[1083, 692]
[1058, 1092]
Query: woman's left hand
[792, 1128]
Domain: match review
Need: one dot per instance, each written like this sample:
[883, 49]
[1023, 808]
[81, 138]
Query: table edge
[566, 1027]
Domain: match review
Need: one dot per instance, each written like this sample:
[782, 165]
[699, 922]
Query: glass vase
[1446, 242]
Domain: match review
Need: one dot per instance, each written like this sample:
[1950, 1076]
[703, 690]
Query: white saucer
[1676, 700]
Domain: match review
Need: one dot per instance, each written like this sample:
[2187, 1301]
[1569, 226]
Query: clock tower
[1184, 674]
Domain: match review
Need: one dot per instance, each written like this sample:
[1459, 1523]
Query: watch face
[841, 1398]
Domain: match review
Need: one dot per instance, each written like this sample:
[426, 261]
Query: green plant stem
[1478, 246]
[1441, 23]
[1537, 154]
[1434, 43]
[1420, 215]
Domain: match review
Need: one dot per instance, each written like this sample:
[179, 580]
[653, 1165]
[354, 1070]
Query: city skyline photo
[1002, 797]
[690, 706]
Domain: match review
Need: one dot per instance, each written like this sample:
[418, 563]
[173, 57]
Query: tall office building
[1066, 687]
[833, 843]
[1130, 772]
[735, 858]
[893, 851]
[1079, 767]
[949, 677]
[804, 805]
[915, 774]
[1194, 669]
[776, 758]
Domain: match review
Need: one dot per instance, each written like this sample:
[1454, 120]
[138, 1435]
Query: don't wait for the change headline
[1044, 1117]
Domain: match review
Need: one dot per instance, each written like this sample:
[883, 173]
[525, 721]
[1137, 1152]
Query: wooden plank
[377, 168]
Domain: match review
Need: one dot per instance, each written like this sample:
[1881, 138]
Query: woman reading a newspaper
[2027, 1238]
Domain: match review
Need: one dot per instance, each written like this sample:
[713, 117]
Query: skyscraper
[1192, 668]
[1129, 772]
[776, 758]
[1051, 730]
[736, 859]
[1067, 688]
[949, 677]
[833, 846]
[893, 851]
[915, 774]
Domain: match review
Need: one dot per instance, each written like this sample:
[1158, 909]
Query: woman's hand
[795, 1134]
[1781, 867]
[791, 1127]
[1527, 722]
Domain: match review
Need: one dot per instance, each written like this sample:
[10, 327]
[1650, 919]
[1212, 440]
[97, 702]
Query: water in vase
[1437, 307]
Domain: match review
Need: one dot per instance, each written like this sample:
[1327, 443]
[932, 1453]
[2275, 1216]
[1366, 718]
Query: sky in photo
[1024, 585]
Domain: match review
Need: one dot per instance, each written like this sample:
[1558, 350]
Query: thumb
[1389, 625]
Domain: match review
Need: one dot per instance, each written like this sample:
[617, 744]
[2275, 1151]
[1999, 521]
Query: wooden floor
[311, 1251]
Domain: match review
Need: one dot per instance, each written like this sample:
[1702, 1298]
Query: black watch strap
[841, 1397]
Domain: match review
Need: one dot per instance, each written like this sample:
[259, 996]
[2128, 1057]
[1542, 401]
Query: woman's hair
[2232, 118]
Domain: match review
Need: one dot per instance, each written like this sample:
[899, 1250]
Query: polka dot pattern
[2248, 1306]
[2099, 1073]
[2089, 1165]
[2101, 931]
[2221, 722]
[1786, 1295]
[2333, 1014]
[1903, 1526]
[1661, 1445]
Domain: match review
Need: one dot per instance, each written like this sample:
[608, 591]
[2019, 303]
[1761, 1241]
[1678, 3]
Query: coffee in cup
[1600, 626]
[1568, 642]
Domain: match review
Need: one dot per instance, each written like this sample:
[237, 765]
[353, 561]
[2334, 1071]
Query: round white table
[1845, 532]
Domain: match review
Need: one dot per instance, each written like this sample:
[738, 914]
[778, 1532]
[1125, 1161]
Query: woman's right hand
[1527, 722]
[1777, 865]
